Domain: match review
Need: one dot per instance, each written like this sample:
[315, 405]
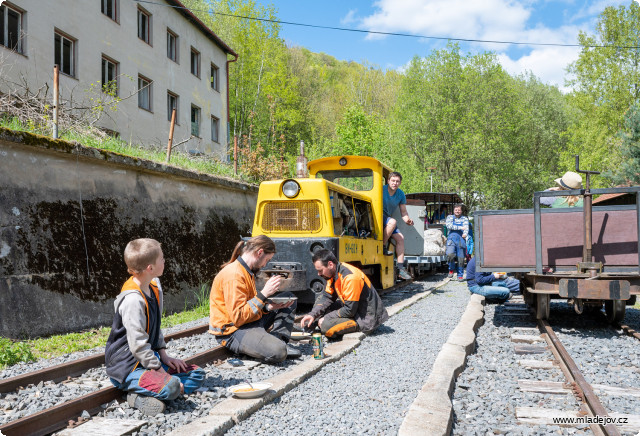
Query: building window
[195, 121]
[195, 62]
[215, 71]
[172, 46]
[144, 26]
[144, 93]
[110, 9]
[11, 28]
[215, 129]
[64, 54]
[172, 103]
[109, 76]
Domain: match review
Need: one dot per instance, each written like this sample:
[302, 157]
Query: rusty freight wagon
[588, 256]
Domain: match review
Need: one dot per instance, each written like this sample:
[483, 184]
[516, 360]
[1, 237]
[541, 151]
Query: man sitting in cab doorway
[240, 316]
[493, 286]
[349, 304]
[393, 197]
[458, 230]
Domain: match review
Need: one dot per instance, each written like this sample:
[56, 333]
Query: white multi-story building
[155, 55]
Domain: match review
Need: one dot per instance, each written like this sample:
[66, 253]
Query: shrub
[12, 352]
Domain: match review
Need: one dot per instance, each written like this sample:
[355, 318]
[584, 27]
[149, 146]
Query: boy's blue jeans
[165, 387]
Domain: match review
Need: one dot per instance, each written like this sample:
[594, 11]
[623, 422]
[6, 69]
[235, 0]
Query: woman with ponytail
[240, 315]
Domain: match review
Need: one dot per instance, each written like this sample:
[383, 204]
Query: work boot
[450, 274]
[293, 353]
[404, 274]
[147, 405]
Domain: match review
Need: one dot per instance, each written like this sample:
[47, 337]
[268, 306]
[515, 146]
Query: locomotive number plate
[594, 289]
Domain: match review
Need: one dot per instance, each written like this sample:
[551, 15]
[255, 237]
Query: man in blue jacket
[458, 228]
[490, 285]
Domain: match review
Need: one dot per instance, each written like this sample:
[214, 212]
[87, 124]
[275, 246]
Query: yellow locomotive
[339, 207]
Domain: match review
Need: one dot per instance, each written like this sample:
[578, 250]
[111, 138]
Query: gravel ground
[606, 356]
[370, 390]
[182, 411]
[487, 392]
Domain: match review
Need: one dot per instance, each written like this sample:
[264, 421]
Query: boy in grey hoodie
[136, 357]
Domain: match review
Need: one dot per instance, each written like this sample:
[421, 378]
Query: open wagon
[588, 256]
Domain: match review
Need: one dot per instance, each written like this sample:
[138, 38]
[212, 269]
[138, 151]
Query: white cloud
[349, 18]
[547, 63]
[449, 18]
[494, 20]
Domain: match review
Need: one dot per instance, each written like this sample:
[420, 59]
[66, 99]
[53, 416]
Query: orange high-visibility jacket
[234, 301]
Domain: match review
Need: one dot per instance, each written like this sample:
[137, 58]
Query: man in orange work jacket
[240, 315]
[349, 304]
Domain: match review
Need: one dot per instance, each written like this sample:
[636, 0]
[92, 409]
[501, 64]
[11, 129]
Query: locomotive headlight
[290, 188]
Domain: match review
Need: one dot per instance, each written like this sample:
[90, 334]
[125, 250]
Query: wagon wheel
[542, 306]
[615, 310]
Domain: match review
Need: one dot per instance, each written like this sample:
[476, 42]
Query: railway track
[549, 372]
[70, 413]
[79, 366]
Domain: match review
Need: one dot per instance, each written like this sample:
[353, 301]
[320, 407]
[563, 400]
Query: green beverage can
[316, 340]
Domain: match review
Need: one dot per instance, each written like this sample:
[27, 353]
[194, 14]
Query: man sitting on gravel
[135, 355]
[349, 304]
[491, 285]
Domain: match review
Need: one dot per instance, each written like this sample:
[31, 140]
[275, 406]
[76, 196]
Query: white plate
[281, 300]
[260, 389]
[298, 336]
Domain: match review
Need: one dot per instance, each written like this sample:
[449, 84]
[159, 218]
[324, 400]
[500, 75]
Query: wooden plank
[631, 426]
[529, 349]
[532, 330]
[543, 387]
[541, 416]
[617, 392]
[516, 308]
[537, 364]
[104, 427]
[526, 339]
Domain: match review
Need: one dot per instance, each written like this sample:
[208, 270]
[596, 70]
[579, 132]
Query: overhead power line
[376, 32]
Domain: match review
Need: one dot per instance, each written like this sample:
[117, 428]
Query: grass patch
[12, 352]
[179, 159]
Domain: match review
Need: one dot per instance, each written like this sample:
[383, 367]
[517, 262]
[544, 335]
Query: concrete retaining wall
[67, 212]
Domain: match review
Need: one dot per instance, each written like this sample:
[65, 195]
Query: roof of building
[606, 197]
[182, 9]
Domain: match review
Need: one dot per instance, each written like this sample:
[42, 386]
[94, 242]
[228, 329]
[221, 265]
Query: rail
[574, 375]
[77, 367]
[57, 417]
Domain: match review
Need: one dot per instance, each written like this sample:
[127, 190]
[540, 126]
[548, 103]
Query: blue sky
[538, 21]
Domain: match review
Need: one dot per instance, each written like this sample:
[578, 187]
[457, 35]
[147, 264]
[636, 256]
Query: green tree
[606, 81]
[263, 94]
[360, 134]
[629, 167]
[493, 138]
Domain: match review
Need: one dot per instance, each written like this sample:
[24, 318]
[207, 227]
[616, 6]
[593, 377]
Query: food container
[244, 390]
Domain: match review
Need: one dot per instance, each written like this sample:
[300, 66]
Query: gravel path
[369, 390]
[487, 392]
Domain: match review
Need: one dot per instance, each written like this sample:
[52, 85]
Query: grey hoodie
[129, 346]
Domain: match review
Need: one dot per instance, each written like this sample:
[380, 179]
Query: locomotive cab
[339, 207]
